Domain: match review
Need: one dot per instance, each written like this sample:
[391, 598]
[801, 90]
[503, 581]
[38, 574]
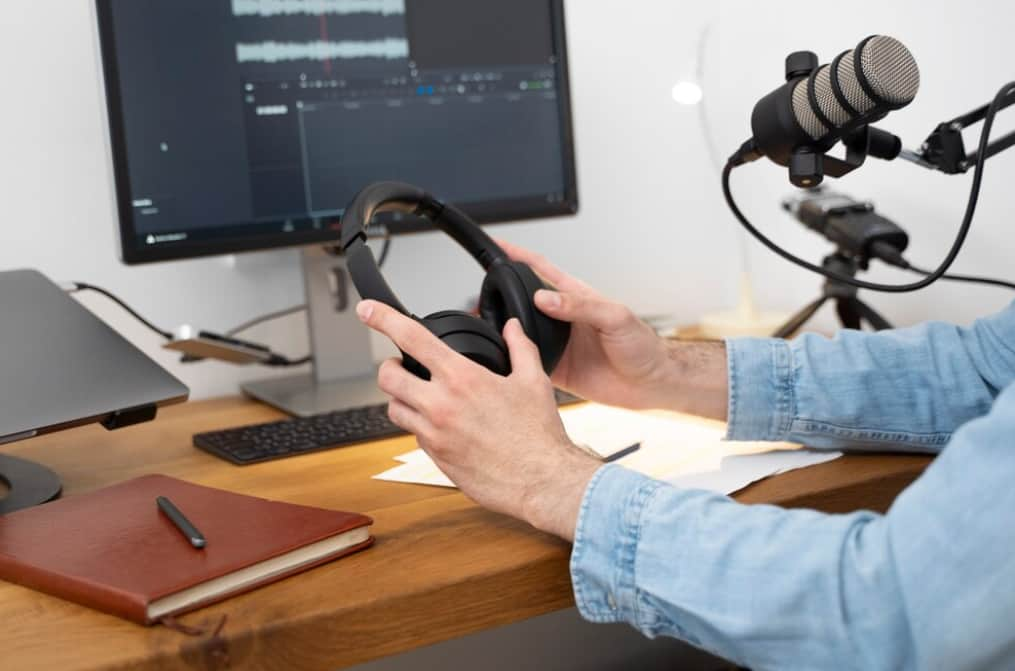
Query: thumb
[591, 309]
[524, 353]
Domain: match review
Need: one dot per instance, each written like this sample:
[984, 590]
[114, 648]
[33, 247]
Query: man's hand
[500, 439]
[616, 359]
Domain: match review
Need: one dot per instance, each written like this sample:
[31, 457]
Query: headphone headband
[507, 291]
[378, 198]
[397, 197]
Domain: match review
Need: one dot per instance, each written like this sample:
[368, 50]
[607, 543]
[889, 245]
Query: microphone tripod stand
[852, 311]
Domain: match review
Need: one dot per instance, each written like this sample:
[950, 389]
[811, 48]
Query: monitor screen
[249, 124]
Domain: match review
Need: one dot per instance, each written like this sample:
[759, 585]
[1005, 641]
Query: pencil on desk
[630, 449]
[180, 521]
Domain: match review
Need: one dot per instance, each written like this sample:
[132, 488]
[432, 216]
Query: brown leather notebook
[113, 550]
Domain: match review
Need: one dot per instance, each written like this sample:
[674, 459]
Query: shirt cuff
[606, 544]
[761, 389]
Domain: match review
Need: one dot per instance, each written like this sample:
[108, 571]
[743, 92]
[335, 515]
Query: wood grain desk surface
[442, 567]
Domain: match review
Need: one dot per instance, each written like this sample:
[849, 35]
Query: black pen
[630, 449]
[181, 522]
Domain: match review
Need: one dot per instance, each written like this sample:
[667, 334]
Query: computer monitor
[241, 125]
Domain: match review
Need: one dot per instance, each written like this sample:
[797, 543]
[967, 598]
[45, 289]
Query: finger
[603, 315]
[524, 354]
[404, 417]
[542, 267]
[408, 335]
[399, 383]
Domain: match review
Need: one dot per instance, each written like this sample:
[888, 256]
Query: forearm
[694, 379]
[552, 500]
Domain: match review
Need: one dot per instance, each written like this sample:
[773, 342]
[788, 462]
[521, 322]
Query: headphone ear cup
[504, 296]
[471, 337]
[508, 291]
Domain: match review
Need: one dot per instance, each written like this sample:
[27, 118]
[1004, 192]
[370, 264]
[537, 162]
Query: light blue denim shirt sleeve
[927, 586]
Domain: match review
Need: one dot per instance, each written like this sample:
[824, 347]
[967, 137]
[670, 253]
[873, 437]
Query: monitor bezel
[132, 252]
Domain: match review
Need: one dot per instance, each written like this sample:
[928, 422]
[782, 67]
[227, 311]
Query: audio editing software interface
[242, 117]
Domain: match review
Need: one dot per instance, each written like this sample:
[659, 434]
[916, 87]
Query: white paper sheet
[413, 457]
[418, 472]
[686, 451]
[738, 471]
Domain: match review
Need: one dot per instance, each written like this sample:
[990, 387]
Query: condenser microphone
[819, 106]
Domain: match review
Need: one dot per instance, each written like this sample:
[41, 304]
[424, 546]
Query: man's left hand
[500, 439]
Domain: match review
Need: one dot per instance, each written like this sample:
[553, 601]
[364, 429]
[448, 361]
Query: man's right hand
[616, 359]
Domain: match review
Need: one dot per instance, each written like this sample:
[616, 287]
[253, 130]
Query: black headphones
[507, 292]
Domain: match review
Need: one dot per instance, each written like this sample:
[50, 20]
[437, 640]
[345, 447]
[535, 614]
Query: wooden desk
[442, 567]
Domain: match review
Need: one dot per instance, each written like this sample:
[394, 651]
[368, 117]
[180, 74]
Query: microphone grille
[890, 72]
[890, 69]
[825, 96]
[850, 85]
[805, 116]
[809, 121]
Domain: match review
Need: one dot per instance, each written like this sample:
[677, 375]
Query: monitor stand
[344, 373]
[29, 484]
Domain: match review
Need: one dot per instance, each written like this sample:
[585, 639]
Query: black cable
[271, 316]
[279, 361]
[385, 247]
[960, 239]
[81, 286]
[973, 279]
[276, 360]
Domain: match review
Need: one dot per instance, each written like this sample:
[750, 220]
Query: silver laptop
[61, 366]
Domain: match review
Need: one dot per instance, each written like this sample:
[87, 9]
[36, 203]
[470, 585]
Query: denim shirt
[929, 585]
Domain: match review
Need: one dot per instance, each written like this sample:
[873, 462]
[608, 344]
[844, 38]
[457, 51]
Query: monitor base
[302, 395]
[30, 484]
[344, 373]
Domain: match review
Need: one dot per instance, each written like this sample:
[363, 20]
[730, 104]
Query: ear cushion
[506, 294]
[471, 337]
[508, 291]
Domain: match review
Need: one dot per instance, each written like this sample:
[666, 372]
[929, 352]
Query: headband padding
[469, 235]
[377, 198]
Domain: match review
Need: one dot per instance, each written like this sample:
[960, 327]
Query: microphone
[796, 124]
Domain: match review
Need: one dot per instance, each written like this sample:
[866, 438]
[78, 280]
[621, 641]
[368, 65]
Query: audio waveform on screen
[268, 8]
[320, 50]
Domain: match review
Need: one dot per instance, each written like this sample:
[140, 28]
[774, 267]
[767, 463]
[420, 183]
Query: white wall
[653, 230]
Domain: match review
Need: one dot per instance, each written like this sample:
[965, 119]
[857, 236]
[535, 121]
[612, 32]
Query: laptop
[61, 366]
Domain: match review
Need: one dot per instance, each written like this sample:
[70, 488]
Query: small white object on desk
[686, 451]
[745, 321]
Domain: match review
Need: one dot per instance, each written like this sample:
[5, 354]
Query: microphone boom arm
[945, 150]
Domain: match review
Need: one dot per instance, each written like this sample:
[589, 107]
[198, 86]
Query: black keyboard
[301, 435]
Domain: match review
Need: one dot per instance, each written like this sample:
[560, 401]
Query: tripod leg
[849, 313]
[876, 321]
[797, 321]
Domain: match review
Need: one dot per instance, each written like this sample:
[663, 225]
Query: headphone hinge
[430, 208]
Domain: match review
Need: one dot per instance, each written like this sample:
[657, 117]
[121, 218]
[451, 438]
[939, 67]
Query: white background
[653, 231]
